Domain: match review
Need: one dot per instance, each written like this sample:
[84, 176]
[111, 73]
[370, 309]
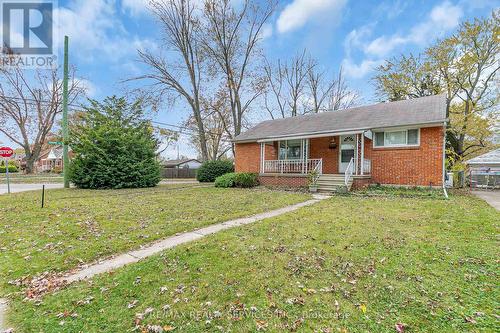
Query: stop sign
[6, 152]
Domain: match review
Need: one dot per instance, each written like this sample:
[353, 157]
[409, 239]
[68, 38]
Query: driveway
[491, 197]
[14, 188]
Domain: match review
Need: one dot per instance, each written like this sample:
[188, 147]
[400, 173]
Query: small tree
[114, 147]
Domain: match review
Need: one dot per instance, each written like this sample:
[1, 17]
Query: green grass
[400, 191]
[348, 264]
[79, 226]
[44, 178]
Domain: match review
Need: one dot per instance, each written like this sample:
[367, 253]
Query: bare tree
[231, 43]
[166, 138]
[300, 87]
[319, 88]
[217, 117]
[275, 99]
[29, 106]
[181, 77]
[287, 82]
[341, 96]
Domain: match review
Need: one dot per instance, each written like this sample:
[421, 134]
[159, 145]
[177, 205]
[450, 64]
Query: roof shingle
[424, 110]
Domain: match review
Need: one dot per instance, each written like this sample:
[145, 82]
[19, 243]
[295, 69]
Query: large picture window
[292, 149]
[399, 138]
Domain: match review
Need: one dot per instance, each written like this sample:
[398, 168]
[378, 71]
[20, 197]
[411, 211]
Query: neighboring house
[51, 159]
[484, 170]
[186, 163]
[19, 157]
[396, 143]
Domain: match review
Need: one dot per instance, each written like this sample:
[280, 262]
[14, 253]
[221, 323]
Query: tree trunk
[30, 165]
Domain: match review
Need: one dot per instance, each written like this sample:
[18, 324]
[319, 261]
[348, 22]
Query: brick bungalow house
[394, 143]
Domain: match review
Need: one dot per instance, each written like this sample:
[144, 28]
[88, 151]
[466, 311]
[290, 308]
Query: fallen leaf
[400, 327]
[132, 304]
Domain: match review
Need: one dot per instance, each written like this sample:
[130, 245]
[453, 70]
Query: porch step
[333, 183]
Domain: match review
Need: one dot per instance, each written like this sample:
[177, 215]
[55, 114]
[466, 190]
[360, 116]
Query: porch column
[362, 152]
[262, 156]
[304, 156]
[356, 156]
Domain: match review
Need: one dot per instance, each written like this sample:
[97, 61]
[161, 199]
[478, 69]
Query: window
[413, 137]
[292, 149]
[346, 155]
[400, 138]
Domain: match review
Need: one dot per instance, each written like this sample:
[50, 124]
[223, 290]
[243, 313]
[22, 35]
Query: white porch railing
[367, 167]
[293, 166]
[348, 172]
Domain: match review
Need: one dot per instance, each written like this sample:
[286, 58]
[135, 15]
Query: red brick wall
[418, 166]
[283, 181]
[359, 183]
[271, 151]
[421, 165]
[320, 148]
[247, 157]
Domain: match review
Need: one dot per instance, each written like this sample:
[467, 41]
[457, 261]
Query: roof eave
[328, 133]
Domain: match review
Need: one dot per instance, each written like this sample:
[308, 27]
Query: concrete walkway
[491, 197]
[3, 310]
[109, 265]
[168, 243]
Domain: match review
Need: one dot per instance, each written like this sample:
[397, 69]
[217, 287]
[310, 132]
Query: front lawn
[347, 264]
[42, 178]
[79, 226]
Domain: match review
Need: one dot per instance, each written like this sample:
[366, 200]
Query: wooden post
[362, 153]
[262, 157]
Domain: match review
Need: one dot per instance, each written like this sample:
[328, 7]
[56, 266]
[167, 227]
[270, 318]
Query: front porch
[340, 154]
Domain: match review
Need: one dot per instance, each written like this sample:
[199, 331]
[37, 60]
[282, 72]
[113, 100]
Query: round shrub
[246, 180]
[210, 170]
[226, 180]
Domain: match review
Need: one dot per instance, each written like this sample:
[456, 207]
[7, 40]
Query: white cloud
[266, 31]
[136, 7]
[95, 30]
[299, 12]
[441, 19]
[90, 88]
[383, 45]
[357, 71]
[355, 38]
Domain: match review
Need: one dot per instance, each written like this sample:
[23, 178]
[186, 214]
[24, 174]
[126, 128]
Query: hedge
[244, 180]
[12, 168]
[226, 180]
[210, 170]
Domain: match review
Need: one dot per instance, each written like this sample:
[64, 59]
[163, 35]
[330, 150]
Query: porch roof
[418, 111]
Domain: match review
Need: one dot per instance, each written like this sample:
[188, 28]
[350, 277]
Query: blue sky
[358, 35]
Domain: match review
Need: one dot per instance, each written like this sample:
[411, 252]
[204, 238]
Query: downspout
[444, 161]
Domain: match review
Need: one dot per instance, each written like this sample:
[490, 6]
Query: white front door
[347, 151]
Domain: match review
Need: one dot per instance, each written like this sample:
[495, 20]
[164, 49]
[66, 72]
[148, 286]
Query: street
[14, 188]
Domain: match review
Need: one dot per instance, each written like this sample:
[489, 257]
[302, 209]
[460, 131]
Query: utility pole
[65, 115]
